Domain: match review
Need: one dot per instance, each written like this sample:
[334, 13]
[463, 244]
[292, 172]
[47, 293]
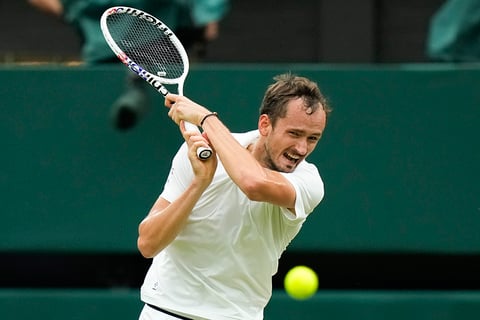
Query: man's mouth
[292, 157]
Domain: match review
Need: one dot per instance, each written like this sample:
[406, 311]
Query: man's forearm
[239, 163]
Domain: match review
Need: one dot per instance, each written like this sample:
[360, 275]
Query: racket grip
[203, 153]
[191, 127]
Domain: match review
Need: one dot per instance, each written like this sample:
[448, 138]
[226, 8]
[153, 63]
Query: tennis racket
[150, 49]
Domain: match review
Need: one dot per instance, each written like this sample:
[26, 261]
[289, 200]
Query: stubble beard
[268, 160]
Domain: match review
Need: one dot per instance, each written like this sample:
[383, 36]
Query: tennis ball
[301, 282]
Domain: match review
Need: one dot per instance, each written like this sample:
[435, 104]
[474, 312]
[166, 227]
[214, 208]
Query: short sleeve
[309, 189]
[179, 176]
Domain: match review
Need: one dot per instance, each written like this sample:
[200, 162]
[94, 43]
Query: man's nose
[302, 146]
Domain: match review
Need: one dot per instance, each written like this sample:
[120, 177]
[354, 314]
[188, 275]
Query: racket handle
[203, 153]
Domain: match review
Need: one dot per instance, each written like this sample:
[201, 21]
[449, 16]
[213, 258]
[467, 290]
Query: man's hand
[182, 108]
[202, 169]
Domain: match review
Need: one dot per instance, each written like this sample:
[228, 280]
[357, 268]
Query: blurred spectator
[195, 22]
[454, 34]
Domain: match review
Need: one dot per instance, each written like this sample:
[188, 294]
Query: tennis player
[219, 227]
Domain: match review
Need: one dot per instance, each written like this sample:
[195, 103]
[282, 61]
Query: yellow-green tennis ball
[301, 282]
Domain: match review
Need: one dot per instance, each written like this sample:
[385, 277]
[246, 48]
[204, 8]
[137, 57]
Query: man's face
[293, 138]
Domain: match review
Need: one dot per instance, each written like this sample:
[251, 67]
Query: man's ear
[264, 124]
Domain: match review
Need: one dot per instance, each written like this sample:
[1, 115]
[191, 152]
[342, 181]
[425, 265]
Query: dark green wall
[400, 157]
[344, 305]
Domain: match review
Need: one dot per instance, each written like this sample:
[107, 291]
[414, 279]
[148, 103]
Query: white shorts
[148, 313]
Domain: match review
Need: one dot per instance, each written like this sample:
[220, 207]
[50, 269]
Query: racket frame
[154, 80]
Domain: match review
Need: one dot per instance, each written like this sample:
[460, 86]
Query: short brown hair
[286, 87]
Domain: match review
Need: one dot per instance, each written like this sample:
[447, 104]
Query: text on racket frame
[142, 15]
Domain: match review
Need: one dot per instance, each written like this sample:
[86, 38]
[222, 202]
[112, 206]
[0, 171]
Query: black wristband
[206, 116]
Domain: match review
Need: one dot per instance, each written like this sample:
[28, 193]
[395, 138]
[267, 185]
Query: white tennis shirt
[221, 265]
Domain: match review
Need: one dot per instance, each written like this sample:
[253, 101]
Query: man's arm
[257, 182]
[53, 7]
[166, 220]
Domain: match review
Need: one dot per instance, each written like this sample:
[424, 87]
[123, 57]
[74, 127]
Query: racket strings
[147, 45]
